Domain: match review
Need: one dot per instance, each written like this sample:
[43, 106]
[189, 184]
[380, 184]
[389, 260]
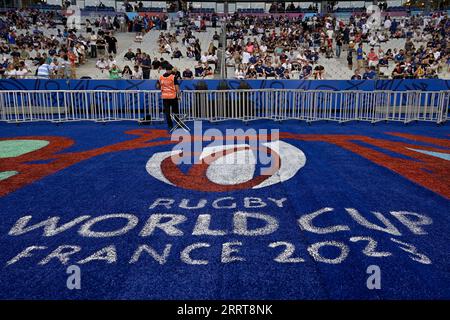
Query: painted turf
[332, 177]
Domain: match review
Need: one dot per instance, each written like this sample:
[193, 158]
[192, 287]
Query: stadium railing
[315, 105]
[79, 105]
[220, 105]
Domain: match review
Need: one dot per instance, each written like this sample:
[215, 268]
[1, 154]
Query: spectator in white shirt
[245, 57]
[436, 54]
[11, 72]
[136, 73]
[373, 40]
[239, 73]
[168, 48]
[263, 48]
[93, 44]
[102, 65]
[54, 66]
[111, 61]
[204, 58]
[33, 53]
[22, 71]
[301, 57]
[287, 66]
[211, 58]
[139, 37]
[330, 33]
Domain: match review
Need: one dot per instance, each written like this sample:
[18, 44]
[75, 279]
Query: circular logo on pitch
[228, 167]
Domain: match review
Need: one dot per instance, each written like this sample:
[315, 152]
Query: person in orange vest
[170, 91]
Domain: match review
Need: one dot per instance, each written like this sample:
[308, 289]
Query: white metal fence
[220, 105]
[315, 105]
[79, 105]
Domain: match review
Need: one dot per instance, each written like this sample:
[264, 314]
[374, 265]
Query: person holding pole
[170, 92]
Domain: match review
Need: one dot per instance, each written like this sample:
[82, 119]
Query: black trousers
[170, 105]
[93, 51]
[112, 50]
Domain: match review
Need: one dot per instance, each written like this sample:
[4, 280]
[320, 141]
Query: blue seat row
[151, 9]
[94, 8]
[46, 6]
[202, 10]
[251, 10]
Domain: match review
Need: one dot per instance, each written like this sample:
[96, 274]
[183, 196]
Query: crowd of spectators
[140, 64]
[276, 47]
[426, 50]
[282, 7]
[42, 43]
[23, 44]
[294, 48]
[271, 47]
[35, 43]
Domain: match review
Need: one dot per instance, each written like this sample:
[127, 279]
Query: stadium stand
[258, 45]
[294, 48]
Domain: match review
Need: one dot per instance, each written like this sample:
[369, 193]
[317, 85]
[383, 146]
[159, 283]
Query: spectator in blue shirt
[11, 38]
[393, 27]
[400, 56]
[269, 71]
[306, 72]
[370, 74]
[259, 69]
[279, 71]
[360, 56]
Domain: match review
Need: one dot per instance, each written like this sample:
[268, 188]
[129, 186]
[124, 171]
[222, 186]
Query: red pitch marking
[31, 172]
[196, 178]
[425, 170]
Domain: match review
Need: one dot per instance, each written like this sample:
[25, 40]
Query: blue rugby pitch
[315, 233]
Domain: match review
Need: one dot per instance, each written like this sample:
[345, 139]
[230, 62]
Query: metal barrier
[80, 105]
[220, 105]
[316, 105]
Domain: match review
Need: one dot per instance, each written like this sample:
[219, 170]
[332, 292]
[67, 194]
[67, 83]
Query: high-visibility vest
[168, 90]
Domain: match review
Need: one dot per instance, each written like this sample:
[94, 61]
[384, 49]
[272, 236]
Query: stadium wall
[365, 85]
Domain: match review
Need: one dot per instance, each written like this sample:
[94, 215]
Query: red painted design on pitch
[196, 178]
[428, 171]
[56, 161]
[425, 170]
